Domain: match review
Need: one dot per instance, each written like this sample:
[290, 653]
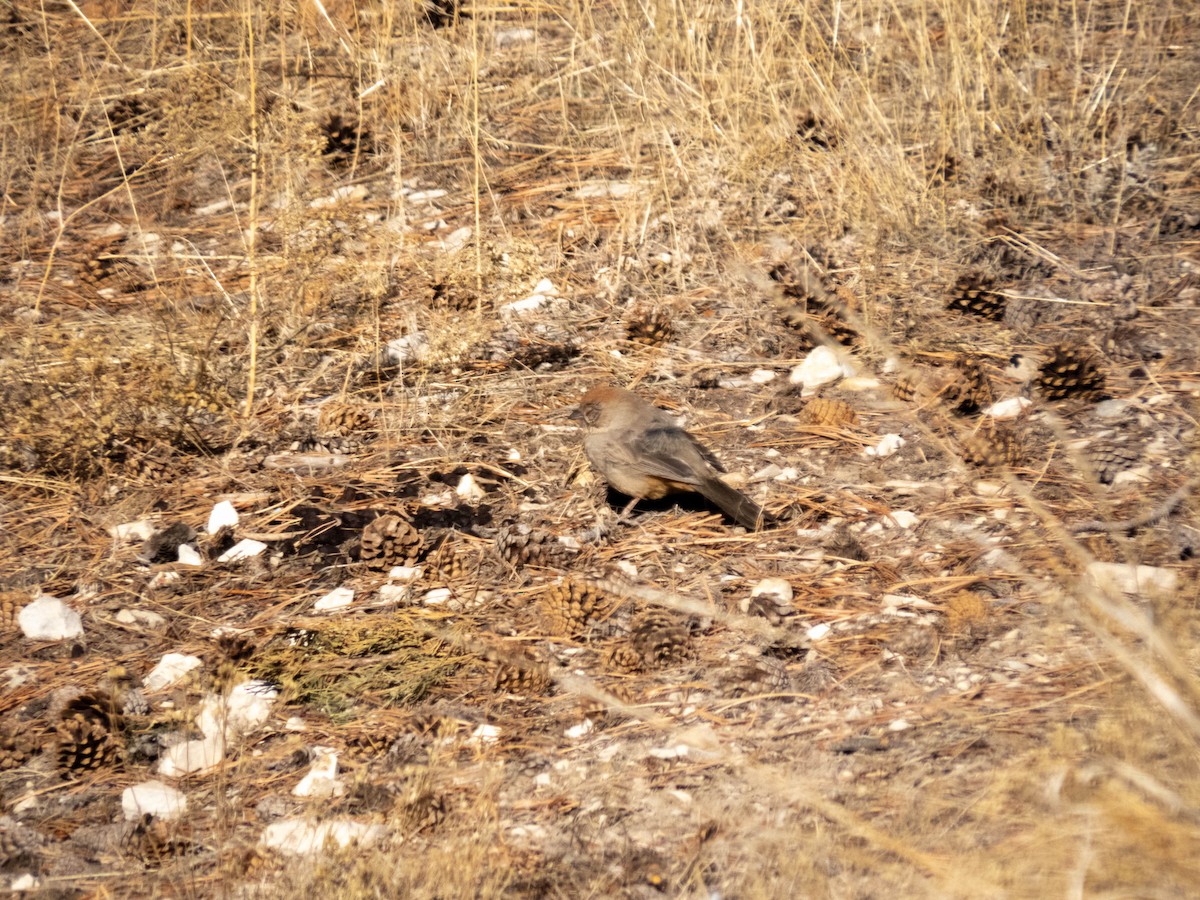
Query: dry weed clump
[347, 266]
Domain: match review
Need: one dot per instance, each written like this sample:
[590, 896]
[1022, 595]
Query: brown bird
[641, 451]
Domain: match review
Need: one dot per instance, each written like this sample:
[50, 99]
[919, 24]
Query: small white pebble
[338, 598]
[188, 556]
[469, 489]
[762, 376]
[244, 549]
[1008, 409]
[223, 515]
[887, 445]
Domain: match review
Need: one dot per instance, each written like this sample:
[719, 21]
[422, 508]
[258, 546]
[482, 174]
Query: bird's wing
[672, 454]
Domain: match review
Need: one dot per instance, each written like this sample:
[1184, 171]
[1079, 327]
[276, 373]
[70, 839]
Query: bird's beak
[575, 415]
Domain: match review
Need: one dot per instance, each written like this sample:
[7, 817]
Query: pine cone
[85, 742]
[760, 675]
[911, 385]
[1179, 222]
[343, 419]
[970, 390]
[524, 675]
[975, 294]
[648, 326]
[390, 541]
[343, 138]
[1024, 313]
[15, 748]
[1108, 460]
[570, 606]
[11, 603]
[521, 545]
[623, 657]
[659, 639]
[810, 306]
[993, 447]
[828, 413]
[1072, 371]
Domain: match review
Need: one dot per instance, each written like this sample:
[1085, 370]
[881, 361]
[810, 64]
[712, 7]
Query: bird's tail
[734, 503]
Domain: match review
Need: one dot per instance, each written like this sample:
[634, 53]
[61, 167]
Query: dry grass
[263, 252]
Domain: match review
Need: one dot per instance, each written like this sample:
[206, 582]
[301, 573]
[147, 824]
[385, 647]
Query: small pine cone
[151, 464]
[569, 606]
[1179, 222]
[14, 749]
[106, 270]
[761, 675]
[524, 676]
[911, 385]
[235, 647]
[1072, 371]
[659, 639]
[84, 744]
[993, 447]
[1024, 313]
[975, 294]
[621, 656]
[390, 541]
[598, 710]
[828, 413]
[1108, 460]
[343, 419]
[966, 613]
[521, 545]
[11, 603]
[648, 326]
[343, 138]
[970, 390]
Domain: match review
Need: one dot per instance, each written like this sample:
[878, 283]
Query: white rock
[141, 530]
[506, 37]
[899, 725]
[437, 596]
[817, 632]
[627, 568]
[821, 366]
[154, 798]
[788, 474]
[679, 751]
[900, 518]
[321, 780]
[24, 882]
[1008, 409]
[191, 757]
[520, 307]
[408, 349]
[188, 556]
[223, 515]
[456, 240]
[49, 619]
[394, 594]
[243, 549]
[778, 589]
[893, 602]
[144, 618]
[241, 712]
[338, 598]
[513, 455]
[1110, 409]
[613, 189]
[469, 489]
[769, 472]
[860, 383]
[295, 723]
[583, 729]
[301, 837]
[762, 376]
[1131, 579]
[426, 196]
[887, 445]
[405, 574]
[162, 579]
[486, 734]
[546, 288]
[170, 669]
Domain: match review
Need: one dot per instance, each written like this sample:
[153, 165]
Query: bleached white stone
[778, 589]
[243, 549]
[821, 366]
[154, 798]
[223, 515]
[469, 488]
[49, 619]
[1131, 579]
[819, 631]
[338, 598]
[241, 712]
[141, 530]
[321, 780]
[191, 757]
[887, 445]
[762, 376]
[1008, 409]
[303, 837]
[170, 669]
[187, 555]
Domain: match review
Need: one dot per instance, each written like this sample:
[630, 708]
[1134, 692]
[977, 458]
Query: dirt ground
[924, 276]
